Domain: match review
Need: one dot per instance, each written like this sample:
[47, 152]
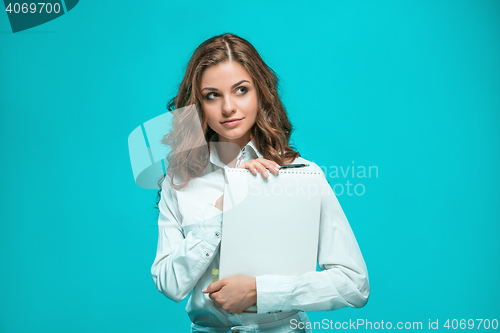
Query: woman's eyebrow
[233, 86]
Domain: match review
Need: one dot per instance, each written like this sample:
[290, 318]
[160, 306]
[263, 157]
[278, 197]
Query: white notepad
[270, 226]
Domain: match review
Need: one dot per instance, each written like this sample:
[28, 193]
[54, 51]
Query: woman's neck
[229, 150]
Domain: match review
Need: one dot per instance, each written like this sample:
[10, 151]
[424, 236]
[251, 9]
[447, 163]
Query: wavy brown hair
[271, 131]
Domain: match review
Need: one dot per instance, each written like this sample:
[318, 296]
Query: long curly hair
[271, 131]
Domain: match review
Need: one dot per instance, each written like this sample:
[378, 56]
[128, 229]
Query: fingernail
[266, 173]
[204, 290]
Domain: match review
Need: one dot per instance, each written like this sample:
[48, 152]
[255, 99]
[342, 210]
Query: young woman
[228, 99]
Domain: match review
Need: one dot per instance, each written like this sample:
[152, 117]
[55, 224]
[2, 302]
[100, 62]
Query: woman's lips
[232, 123]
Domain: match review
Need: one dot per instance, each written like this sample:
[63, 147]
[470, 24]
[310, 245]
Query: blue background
[411, 87]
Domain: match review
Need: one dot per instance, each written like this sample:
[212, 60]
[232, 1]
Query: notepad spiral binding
[280, 172]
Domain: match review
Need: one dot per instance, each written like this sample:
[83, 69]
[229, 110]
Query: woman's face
[228, 92]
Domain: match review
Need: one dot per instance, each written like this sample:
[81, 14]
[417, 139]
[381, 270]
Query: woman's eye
[210, 94]
[213, 95]
[244, 89]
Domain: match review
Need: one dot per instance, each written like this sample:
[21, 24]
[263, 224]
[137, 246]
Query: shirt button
[207, 255]
[217, 234]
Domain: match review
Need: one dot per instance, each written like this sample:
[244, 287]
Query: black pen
[293, 166]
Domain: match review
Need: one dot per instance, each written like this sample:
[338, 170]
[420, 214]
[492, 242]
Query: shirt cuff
[273, 293]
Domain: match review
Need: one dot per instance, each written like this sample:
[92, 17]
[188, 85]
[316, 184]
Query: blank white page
[270, 226]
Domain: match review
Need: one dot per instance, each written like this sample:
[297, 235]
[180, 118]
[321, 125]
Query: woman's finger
[261, 168]
[271, 165]
[266, 164]
[260, 165]
[249, 166]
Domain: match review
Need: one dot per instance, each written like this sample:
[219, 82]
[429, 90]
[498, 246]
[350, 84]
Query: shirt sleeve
[181, 260]
[343, 280]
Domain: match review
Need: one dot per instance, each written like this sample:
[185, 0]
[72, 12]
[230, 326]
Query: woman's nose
[228, 106]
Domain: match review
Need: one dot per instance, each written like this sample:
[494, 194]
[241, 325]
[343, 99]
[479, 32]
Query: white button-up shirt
[187, 257]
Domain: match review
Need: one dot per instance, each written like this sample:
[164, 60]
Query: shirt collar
[251, 144]
[250, 147]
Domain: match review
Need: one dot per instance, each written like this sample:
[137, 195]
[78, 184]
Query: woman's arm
[181, 261]
[344, 277]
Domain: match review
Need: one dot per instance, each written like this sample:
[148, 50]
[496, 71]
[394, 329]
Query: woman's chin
[230, 135]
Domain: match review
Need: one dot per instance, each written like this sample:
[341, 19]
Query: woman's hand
[234, 294]
[260, 164]
[257, 164]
